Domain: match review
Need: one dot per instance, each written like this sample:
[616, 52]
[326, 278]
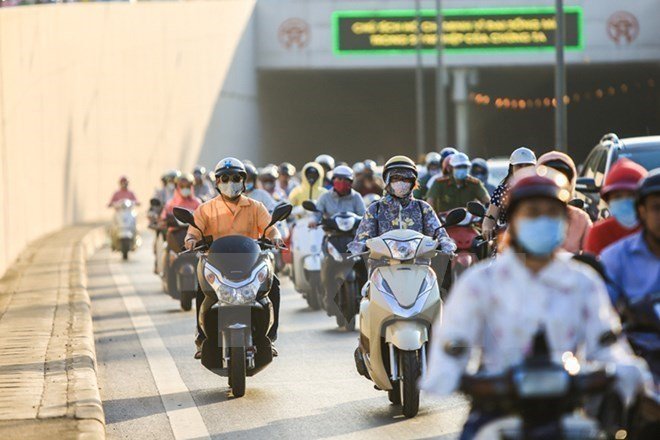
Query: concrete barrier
[89, 92]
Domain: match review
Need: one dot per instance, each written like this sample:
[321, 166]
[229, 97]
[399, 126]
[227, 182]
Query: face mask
[185, 192]
[433, 171]
[342, 187]
[312, 178]
[624, 212]
[249, 186]
[541, 235]
[480, 176]
[401, 189]
[231, 190]
[460, 173]
[170, 186]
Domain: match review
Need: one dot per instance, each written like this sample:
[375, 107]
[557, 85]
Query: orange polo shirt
[219, 218]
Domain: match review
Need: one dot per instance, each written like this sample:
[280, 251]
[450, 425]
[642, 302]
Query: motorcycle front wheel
[125, 248]
[410, 372]
[237, 371]
[314, 296]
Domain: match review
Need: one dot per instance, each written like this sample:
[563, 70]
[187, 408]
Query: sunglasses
[235, 178]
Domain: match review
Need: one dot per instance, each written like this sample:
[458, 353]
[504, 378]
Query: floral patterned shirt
[392, 213]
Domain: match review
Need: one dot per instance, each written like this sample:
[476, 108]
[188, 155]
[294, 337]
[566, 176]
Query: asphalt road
[153, 388]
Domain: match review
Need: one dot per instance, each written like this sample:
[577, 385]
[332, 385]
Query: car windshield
[648, 158]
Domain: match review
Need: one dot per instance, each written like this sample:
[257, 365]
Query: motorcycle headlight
[334, 253]
[403, 250]
[235, 293]
[345, 223]
[541, 383]
[381, 284]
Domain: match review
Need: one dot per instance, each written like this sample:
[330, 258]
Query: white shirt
[499, 306]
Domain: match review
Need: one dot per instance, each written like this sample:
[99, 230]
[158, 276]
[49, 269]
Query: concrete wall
[92, 91]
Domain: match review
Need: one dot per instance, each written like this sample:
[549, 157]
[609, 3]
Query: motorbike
[239, 271]
[344, 276]
[179, 277]
[538, 399]
[123, 232]
[481, 247]
[464, 235]
[307, 250]
[401, 302]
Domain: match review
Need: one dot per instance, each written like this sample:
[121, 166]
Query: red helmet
[624, 175]
[534, 186]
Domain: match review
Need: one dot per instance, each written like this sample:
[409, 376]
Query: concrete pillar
[463, 79]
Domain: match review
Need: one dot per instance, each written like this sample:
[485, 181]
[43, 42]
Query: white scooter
[401, 302]
[123, 232]
[307, 248]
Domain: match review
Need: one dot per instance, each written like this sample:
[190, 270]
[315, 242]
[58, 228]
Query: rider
[232, 213]
[535, 290]
[311, 187]
[633, 263]
[444, 166]
[455, 191]
[285, 181]
[184, 197]
[433, 162]
[165, 193]
[619, 193]
[366, 181]
[496, 214]
[123, 193]
[479, 170]
[579, 222]
[328, 164]
[203, 189]
[268, 176]
[398, 209]
[252, 191]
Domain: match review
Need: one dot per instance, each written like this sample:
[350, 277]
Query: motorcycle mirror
[578, 203]
[184, 216]
[280, 213]
[155, 203]
[454, 217]
[476, 209]
[309, 206]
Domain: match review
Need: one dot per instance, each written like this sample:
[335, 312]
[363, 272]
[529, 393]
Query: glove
[190, 244]
[447, 246]
[279, 243]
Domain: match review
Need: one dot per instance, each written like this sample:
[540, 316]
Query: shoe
[275, 352]
[198, 353]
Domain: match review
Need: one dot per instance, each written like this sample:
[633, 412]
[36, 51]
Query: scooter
[239, 272]
[123, 232]
[401, 302]
[179, 276]
[464, 235]
[538, 399]
[307, 251]
[343, 277]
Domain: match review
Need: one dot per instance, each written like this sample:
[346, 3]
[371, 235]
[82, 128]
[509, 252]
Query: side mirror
[454, 217]
[310, 206]
[280, 212]
[155, 203]
[586, 185]
[578, 203]
[184, 216]
[476, 209]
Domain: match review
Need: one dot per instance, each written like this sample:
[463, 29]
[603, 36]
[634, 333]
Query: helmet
[269, 172]
[199, 170]
[171, 175]
[481, 163]
[358, 167]
[326, 161]
[445, 152]
[230, 166]
[532, 186]
[185, 177]
[522, 156]
[123, 179]
[251, 171]
[459, 160]
[649, 185]
[287, 169]
[370, 165]
[399, 163]
[433, 158]
[624, 175]
[344, 172]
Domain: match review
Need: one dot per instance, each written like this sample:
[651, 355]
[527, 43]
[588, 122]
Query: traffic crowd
[545, 269]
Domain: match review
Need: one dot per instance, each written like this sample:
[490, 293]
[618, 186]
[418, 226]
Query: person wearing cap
[579, 222]
[633, 263]
[433, 163]
[311, 185]
[445, 169]
[398, 209]
[232, 213]
[342, 197]
[202, 188]
[456, 190]
[501, 306]
[479, 170]
[123, 193]
[184, 197]
[619, 193]
[496, 215]
[286, 179]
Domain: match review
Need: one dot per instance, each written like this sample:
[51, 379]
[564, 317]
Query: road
[152, 387]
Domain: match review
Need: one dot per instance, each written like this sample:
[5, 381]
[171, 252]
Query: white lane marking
[185, 420]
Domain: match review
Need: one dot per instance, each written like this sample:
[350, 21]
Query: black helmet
[287, 169]
[199, 170]
[251, 171]
[649, 185]
[230, 166]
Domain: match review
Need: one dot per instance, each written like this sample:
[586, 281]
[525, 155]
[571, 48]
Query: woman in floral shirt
[398, 209]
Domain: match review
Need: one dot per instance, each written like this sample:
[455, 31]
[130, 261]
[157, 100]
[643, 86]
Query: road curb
[48, 371]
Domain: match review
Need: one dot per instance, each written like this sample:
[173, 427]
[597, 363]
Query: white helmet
[433, 158]
[358, 167]
[230, 165]
[459, 159]
[522, 156]
[344, 172]
[326, 160]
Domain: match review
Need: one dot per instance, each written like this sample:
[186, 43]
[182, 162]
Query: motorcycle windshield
[234, 256]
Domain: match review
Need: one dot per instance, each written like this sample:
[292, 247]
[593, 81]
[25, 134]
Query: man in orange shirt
[232, 213]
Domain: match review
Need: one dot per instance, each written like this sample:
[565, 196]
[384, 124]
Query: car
[643, 150]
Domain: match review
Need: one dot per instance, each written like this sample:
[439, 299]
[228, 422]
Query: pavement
[152, 388]
[48, 382]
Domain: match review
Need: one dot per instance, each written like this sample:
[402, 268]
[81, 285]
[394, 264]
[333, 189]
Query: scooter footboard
[407, 335]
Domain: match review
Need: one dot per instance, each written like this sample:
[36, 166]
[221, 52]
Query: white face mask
[401, 189]
[185, 192]
[231, 190]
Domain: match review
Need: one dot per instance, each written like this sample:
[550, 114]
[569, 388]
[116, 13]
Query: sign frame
[424, 13]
